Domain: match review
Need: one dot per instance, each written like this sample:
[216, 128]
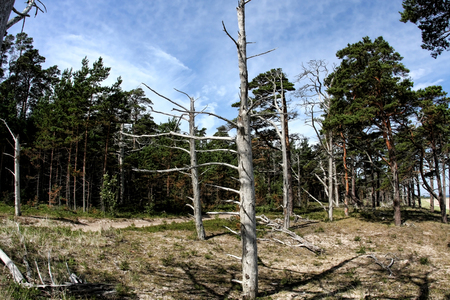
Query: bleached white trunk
[287, 202]
[330, 177]
[245, 169]
[17, 176]
[194, 175]
[121, 161]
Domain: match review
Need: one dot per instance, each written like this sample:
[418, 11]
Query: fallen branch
[278, 227]
[76, 286]
[222, 213]
[386, 267]
[18, 277]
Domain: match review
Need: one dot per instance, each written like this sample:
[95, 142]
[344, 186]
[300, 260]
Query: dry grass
[173, 264]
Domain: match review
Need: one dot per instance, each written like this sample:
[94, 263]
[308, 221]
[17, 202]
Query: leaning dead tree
[16, 172]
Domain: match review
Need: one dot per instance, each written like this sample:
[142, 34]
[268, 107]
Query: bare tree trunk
[194, 175]
[335, 179]
[17, 176]
[288, 161]
[287, 189]
[16, 172]
[245, 169]
[330, 176]
[6, 7]
[122, 171]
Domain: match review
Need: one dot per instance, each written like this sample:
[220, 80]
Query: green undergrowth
[209, 225]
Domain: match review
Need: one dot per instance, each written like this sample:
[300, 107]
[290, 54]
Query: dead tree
[279, 104]
[16, 172]
[314, 96]
[193, 167]
[247, 181]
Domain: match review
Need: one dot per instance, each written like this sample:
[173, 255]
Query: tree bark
[17, 176]
[194, 175]
[6, 7]
[330, 176]
[245, 169]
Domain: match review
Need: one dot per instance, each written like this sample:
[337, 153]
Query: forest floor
[163, 259]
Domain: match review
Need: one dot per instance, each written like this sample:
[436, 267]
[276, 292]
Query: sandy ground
[92, 224]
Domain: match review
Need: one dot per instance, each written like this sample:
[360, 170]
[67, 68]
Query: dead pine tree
[16, 172]
[187, 114]
[245, 166]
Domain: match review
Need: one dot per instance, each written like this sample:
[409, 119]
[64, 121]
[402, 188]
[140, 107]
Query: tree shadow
[334, 282]
[386, 216]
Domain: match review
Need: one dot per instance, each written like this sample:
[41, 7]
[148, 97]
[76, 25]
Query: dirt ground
[364, 258]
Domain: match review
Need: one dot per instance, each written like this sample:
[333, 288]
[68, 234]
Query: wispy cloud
[180, 44]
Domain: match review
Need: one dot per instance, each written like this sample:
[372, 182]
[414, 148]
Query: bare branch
[261, 53]
[185, 168]
[315, 199]
[237, 257]
[217, 150]
[232, 201]
[167, 114]
[15, 272]
[224, 188]
[220, 138]
[225, 29]
[388, 267]
[235, 232]
[168, 99]
[231, 213]
[211, 114]
[21, 15]
[13, 136]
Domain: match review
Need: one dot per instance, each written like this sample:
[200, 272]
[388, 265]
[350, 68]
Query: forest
[70, 142]
[73, 131]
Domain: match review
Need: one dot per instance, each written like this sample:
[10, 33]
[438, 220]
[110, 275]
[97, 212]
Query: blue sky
[180, 44]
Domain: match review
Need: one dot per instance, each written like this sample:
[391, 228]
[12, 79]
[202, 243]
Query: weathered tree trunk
[17, 176]
[245, 169]
[6, 7]
[194, 175]
[330, 176]
[121, 160]
[285, 122]
[16, 173]
[286, 165]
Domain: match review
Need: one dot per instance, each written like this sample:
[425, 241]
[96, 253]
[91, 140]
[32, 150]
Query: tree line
[379, 140]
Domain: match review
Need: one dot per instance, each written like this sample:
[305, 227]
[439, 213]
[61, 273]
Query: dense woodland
[374, 127]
